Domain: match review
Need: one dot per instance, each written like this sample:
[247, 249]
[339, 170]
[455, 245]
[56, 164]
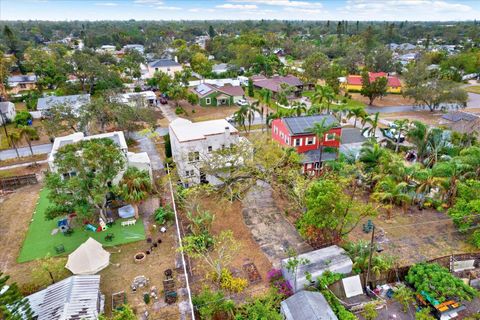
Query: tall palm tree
[28, 133]
[298, 108]
[266, 97]
[135, 187]
[15, 139]
[401, 126]
[240, 117]
[356, 113]
[418, 135]
[428, 181]
[373, 121]
[321, 129]
[323, 95]
[252, 110]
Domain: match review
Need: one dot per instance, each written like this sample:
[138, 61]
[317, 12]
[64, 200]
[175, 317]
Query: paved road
[25, 151]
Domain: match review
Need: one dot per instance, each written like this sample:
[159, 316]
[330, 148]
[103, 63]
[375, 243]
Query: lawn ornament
[63, 225]
[103, 225]
[90, 227]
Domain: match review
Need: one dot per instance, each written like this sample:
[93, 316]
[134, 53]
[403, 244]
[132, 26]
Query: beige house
[17, 84]
[164, 65]
[461, 121]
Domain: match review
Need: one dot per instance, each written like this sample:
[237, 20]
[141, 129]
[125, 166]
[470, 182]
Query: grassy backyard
[39, 241]
[350, 102]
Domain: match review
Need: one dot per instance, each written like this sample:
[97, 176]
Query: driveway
[25, 151]
[147, 145]
[269, 228]
[168, 111]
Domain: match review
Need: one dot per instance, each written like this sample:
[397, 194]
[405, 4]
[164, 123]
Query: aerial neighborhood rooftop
[240, 159]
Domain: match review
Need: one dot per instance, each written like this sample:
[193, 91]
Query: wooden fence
[15, 182]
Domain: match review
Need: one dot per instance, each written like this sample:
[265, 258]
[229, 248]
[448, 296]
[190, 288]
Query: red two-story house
[297, 132]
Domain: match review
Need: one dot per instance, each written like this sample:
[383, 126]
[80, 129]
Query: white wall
[180, 151]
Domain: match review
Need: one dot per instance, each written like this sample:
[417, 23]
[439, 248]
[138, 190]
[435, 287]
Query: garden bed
[39, 241]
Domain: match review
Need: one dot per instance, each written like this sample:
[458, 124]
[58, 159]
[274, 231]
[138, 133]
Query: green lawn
[350, 102]
[39, 242]
[473, 89]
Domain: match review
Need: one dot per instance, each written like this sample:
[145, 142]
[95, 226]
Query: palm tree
[240, 117]
[299, 108]
[266, 97]
[428, 181]
[320, 129]
[135, 187]
[323, 93]
[371, 155]
[392, 193]
[252, 110]
[418, 135]
[401, 126]
[15, 139]
[356, 113]
[373, 121]
[28, 134]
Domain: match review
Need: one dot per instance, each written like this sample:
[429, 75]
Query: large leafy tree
[373, 89]
[320, 129]
[12, 305]
[200, 64]
[331, 212]
[429, 90]
[316, 66]
[135, 187]
[96, 164]
[48, 66]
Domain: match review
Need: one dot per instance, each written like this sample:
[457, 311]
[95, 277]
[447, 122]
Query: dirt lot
[431, 118]
[198, 113]
[387, 101]
[228, 216]
[419, 236]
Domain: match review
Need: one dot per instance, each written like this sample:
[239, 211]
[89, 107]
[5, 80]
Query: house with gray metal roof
[167, 66]
[75, 298]
[461, 121]
[7, 111]
[307, 305]
[74, 101]
[19, 83]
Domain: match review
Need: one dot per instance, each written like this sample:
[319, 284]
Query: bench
[129, 222]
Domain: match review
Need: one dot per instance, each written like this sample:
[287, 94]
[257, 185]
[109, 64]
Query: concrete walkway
[26, 164]
[25, 151]
[168, 112]
[269, 228]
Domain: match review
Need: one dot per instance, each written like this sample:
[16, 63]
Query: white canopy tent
[89, 258]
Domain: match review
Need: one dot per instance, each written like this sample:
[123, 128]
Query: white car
[242, 102]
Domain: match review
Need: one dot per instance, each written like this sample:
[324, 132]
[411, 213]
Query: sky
[391, 10]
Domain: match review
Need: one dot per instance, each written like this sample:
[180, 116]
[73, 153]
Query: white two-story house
[194, 142]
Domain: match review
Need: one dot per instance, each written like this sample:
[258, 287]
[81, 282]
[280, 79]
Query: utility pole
[367, 280]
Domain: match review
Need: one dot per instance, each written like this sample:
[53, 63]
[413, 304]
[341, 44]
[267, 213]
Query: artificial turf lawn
[39, 242]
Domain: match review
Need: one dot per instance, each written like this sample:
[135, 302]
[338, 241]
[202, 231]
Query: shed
[77, 297]
[307, 305]
[332, 258]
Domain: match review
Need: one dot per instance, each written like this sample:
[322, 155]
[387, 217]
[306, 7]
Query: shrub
[404, 296]
[22, 118]
[164, 215]
[264, 307]
[438, 282]
[370, 311]
[230, 283]
[212, 304]
[146, 298]
[274, 275]
[424, 314]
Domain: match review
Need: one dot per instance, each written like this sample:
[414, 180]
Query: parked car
[162, 100]
[392, 134]
[242, 102]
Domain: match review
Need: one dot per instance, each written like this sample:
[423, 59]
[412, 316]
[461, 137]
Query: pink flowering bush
[276, 280]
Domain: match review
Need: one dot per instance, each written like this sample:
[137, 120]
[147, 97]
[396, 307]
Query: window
[330, 137]
[223, 146]
[193, 156]
[156, 69]
[297, 142]
[310, 141]
[317, 165]
[282, 135]
[210, 148]
[23, 85]
[275, 130]
[69, 175]
[189, 173]
[208, 100]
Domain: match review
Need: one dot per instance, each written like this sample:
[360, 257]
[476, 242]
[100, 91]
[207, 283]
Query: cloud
[303, 10]
[106, 4]
[170, 8]
[194, 10]
[236, 6]
[157, 2]
[284, 3]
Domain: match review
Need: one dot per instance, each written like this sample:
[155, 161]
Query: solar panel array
[305, 124]
[203, 89]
